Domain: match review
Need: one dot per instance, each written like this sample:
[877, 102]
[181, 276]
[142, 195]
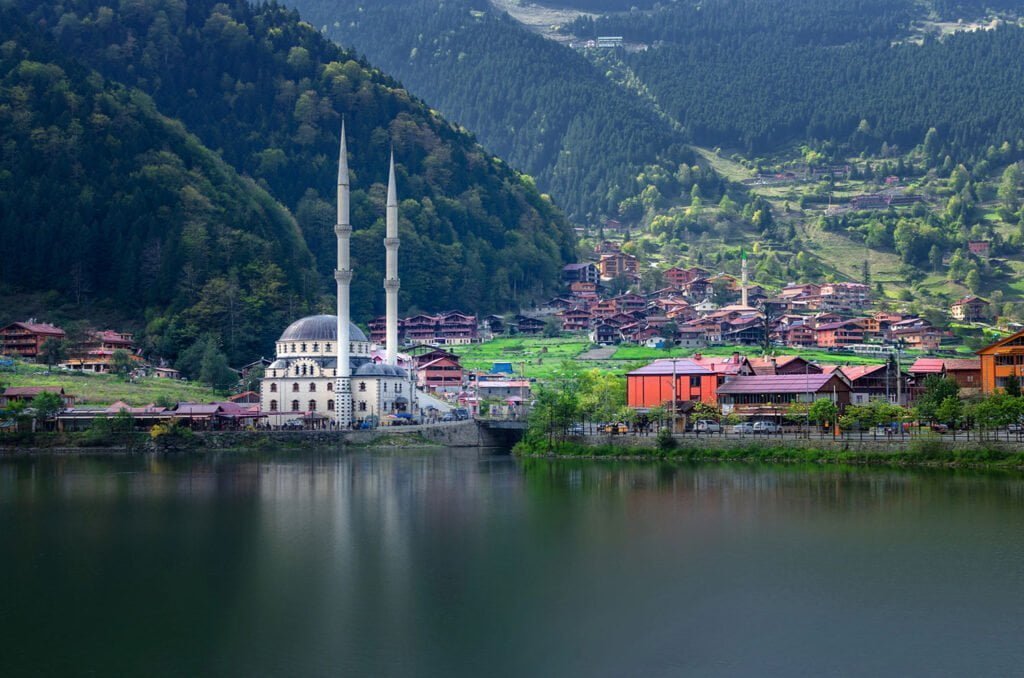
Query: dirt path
[603, 353]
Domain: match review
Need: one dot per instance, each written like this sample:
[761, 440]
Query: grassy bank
[105, 389]
[918, 453]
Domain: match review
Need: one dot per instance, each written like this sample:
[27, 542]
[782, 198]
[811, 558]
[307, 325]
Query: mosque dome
[374, 370]
[319, 328]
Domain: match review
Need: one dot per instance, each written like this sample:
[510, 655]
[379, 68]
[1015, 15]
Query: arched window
[398, 387]
[273, 388]
[293, 348]
[330, 405]
[295, 406]
[362, 406]
[362, 386]
[330, 386]
[327, 347]
[312, 405]
[303, 370]
[273, 406]
[312, 388]
[385, 387]
[303, 348]
[296, 370]
[295, 388]
[316, 347]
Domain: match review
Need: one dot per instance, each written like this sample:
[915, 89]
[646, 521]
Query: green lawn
[542, 358]
[104, 389]
[640, 353]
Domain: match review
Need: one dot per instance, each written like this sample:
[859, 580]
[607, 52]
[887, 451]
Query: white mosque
[325, 368]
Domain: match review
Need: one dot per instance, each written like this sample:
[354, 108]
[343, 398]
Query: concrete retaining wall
[449, 434]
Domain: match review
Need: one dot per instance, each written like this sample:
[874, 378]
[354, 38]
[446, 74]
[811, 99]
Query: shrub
[666, 442]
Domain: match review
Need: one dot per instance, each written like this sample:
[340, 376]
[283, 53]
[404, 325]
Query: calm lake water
[430, 563]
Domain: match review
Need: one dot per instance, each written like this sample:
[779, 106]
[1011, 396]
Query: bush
[666, 442]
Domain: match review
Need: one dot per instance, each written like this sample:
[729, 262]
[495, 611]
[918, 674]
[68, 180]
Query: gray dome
[319, 328]
[375, 370]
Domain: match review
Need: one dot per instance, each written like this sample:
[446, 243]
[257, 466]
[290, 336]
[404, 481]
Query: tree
[1012, 386]
[552, 327]
[53, 351]
[823, 411]
[46, 406]
[214, 370]
[936, 389]
[121, 363]
[973, 281]
[950, 411]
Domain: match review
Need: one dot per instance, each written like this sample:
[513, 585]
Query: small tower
[343, 278]
[391, 283]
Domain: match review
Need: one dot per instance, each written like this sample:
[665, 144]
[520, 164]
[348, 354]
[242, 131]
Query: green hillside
[266, 93]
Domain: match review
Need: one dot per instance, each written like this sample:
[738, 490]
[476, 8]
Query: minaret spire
[391, 283]
[343, 278]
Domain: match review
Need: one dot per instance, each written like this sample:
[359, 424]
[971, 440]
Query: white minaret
[343, 277]
[743, 292]
[391, 275]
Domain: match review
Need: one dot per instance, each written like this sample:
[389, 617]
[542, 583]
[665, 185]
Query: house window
[295, 406]
[312, 405]
[362, 386]
[330, 405]
[312, 388]
[362, 406]
[273, 406]
[295, 388]
[273, 388]
[694, 382]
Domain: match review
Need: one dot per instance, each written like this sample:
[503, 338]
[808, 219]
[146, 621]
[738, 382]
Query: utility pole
[675, 397]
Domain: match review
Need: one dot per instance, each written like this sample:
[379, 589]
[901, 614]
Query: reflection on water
[447, 563]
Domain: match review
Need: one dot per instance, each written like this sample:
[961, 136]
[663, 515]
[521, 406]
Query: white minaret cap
[343, 159]
[392, 190]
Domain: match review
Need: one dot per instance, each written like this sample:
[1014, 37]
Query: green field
[105, 389]
[536, 357]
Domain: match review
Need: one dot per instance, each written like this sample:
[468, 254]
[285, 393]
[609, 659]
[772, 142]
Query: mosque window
[362, 406]
[295, 406]
[327, 347]
[303, 348]
[316, 347]
[303, 370]
[330, 405]
[362, 387]
[330, 386]
[398, 388]
[273, 406]
[295, 388]
[385, 387]
[312, 405]
[296, 370]
[273, 388]
[312, 388]
[293, 348]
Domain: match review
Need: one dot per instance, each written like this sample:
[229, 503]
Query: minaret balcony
[343, 229]
[392, 285]
[343, 276]
[391, 242]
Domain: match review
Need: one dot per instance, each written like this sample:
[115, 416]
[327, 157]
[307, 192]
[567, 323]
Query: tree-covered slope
[755, 76]
[542, 106]
[102, 197]
[268, 92]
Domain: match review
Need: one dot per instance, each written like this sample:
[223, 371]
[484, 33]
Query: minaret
[391, 275]
[343, 277]
[743, 282]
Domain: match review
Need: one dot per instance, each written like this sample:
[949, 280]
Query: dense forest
[754, 76]
[267, 94]
[543, 107]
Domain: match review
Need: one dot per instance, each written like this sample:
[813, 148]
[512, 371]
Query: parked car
[940, 428]
[615, 427]
[575, 430]
[744, 428]
[1015, 428]
[292, 425]
[461, 413]
[707, 426]
[766, 427]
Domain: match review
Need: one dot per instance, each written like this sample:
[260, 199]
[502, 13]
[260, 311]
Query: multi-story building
[838, 334]
[652, 385]
[583, 272]
[845, 296]
[1002, 361]
[969, 309]
[96, 353]
[618, 264]
[770, 396]
[26, 339]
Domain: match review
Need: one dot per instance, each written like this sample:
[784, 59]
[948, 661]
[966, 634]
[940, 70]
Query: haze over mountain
[170, 228]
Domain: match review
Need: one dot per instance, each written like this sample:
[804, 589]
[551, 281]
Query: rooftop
[776, 383]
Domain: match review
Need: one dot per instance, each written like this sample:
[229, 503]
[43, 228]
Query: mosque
[326, 370]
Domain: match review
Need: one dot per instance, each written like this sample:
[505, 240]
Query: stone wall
[448, 434]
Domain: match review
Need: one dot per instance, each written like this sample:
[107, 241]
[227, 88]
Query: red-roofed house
[26, 339]
[966, 372]
[842, 333]
[969, 309]
[874, 382]
[16, 394]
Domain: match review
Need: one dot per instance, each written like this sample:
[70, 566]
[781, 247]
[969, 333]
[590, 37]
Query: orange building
[1000, 361]
[651, 386]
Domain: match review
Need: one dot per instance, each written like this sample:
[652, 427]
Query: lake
[449, 563]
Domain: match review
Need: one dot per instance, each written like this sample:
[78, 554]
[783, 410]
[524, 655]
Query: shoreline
[925, 453]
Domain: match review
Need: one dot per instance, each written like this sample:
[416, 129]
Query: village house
[26, 339]
[26, 394]
[877, 382]
[770, 396]
[97, 351]
[617, 265]
[576, 320]
[979, 248]
[844, 296]
[1002, 361]
[583, 290]
[582, 272]
[839, 334]
[652, 385]
[783, 364]
[439, 372]
[965, 371]
[605, 334]
[969, 309]
[529, 326]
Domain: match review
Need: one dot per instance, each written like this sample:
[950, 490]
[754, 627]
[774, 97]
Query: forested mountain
[267, 93]
[543, 107]
[753, 75]
[101, 196]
